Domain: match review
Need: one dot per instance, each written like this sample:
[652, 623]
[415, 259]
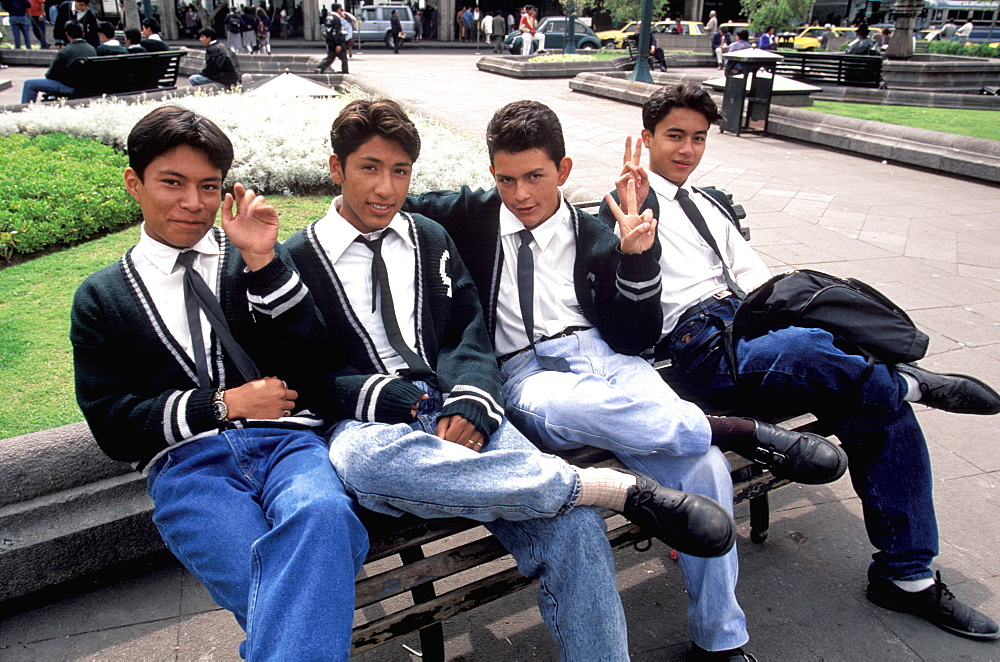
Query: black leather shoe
[801, 457]
[936, 604]
[960, 394]
[699, 654]
[689, 523]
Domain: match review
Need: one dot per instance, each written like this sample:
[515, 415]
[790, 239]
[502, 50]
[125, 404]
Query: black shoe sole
[887, 603]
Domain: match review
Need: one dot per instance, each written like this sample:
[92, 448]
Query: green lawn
[35, 297]
[975, 123]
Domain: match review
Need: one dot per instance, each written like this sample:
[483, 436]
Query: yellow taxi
[808, 39]
[616, 38]
[689, 27]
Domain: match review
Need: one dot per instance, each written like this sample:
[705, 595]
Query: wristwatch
[219, 407]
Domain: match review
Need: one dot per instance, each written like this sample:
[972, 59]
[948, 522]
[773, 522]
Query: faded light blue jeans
[796, 370]
[524, 497]
[620, 403]
[261, 519]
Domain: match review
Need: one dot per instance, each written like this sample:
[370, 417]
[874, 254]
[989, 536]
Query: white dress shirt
[555, 304]
[691, 269]
[353, 263]
[157, 266]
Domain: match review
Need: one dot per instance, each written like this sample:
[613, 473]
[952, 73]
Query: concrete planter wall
[522, 66]
[933, 73]
[66, 510]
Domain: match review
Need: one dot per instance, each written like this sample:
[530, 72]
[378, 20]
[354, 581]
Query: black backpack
[234, 23]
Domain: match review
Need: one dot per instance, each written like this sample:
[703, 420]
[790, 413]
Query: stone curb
[67, 510]
[944, 152]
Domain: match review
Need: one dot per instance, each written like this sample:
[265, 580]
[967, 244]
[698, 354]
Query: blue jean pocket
[695, 345]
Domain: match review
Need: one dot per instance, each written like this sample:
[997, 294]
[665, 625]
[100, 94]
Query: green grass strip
[974, 123]
[36, 362]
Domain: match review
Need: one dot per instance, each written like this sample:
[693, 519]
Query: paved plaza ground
[926, 239]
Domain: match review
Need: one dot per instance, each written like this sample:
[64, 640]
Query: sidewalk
[928, 240]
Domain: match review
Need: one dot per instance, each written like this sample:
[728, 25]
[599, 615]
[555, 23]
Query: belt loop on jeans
[696, 309]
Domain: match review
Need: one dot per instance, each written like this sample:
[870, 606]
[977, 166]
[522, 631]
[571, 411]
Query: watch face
[220, 410]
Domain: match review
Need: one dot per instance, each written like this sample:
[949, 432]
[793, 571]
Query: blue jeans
[620, 403]
[796, 370]
[38, 27]
[524, 497]
[198, 79]
[260, 518]
[32, 86]
[21, 26]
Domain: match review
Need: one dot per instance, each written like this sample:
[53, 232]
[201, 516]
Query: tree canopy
[782, 14]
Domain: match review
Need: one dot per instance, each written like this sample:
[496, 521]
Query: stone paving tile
[146, 641]
[957, 290]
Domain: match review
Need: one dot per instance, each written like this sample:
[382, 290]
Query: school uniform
[250, 507]
[794, 370]
[394, 463]
[596, 308]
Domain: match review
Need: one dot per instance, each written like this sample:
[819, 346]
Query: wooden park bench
[632, 45]
[431, 574]
[124, 74]
[832, 68]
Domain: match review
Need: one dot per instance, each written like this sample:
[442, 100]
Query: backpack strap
[721, 200]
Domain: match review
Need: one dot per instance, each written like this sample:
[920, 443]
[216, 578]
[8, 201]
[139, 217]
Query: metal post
[570, 44]
[640, 72]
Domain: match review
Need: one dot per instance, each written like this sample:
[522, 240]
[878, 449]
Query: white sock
[914, 585]
[913, 393]
[604, 488]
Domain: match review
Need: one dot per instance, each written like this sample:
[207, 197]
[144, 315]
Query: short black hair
[132, 35]
[106, 29]
[683, 95]
[73, 30]
[152, 24]
[523, 125]
[862, 31]
[169, 127]
[208, 32]
[336, 7]
[365, 119]
[743, 34]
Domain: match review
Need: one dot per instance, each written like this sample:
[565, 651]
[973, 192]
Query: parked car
[554, 28]
[690, 27]
[616, 38]
[808, 39]
[375, 24]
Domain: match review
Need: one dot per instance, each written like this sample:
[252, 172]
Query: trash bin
[752, 85]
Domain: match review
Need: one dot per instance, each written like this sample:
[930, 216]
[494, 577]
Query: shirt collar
[544, 232]
[164, 257]
[336, 234]
[663, 186]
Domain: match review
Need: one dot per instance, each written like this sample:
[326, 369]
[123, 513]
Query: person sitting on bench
[60, 79]
[424, 431]
[795, 370]
[566, 333]
[220, 62]
[170, 347]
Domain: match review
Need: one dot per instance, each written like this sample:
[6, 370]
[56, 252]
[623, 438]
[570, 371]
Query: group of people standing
[248, 30]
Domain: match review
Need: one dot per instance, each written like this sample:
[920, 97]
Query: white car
[375, 22]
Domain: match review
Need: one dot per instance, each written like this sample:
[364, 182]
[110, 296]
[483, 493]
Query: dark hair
[132, 35]
[862, 31]
[335, 7]
[86, 2]
[365, 119]
[524, 125]
[152, 24]
[106, 29]
[73, 29]
[669, 97]
[208, 32]
[769, 28]
[169, 127]
[394, 13]
[743, 34]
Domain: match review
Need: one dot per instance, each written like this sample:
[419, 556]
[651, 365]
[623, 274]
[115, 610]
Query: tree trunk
[132, 15]
[168, 20]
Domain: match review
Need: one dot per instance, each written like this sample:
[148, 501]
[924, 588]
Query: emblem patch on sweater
[443, 272]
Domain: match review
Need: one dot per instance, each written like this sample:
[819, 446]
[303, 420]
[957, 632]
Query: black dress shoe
[689, 523]
[936, 604]
[960, 394]
[801, 457]
[699, 654]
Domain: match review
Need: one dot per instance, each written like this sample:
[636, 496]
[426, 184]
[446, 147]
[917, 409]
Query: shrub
[959, 48]
[59, 190]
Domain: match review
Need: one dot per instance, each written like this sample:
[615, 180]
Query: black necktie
[416, 366]
[698, 221]
[526, 297]
[198, 296]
